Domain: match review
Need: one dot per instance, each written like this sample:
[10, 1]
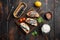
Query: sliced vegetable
[24, 19]
[21, 20]
[40, 19]
[34, 33]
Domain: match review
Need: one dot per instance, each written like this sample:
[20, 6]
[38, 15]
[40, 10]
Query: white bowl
[45, 28]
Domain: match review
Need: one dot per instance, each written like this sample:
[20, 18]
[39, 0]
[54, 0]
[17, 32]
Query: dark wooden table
[9, 30]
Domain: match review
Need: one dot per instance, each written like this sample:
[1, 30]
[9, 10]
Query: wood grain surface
[9, 30]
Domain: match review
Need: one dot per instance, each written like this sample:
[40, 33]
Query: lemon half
[38, 4]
